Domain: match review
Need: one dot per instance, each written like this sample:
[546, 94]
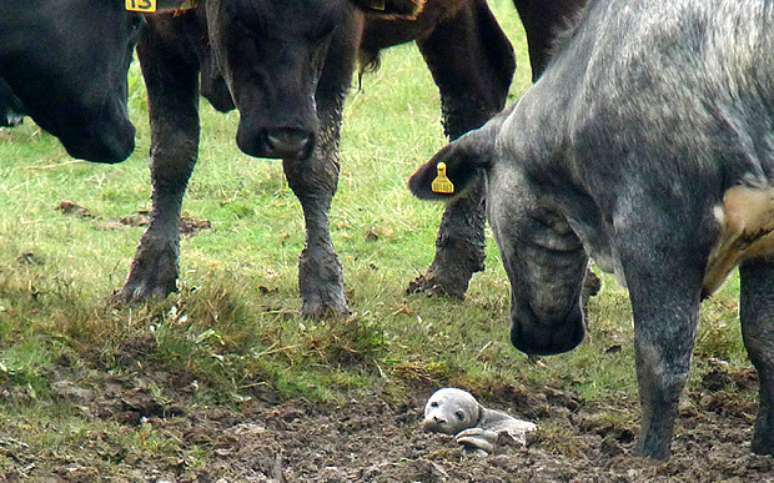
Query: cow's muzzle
[103, 144]
[289, 143]
[279, 143]
[532, 335]
[11, 119]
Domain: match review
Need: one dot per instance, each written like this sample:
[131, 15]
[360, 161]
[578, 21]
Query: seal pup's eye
[434, 404]
[460, 415]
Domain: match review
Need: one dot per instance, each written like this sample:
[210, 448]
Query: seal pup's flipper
[477, 440]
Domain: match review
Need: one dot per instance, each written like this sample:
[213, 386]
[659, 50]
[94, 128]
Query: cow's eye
[460, 415]
[434, 404]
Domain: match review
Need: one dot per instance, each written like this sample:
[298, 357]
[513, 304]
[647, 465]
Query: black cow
[65, 63]
[648, 145]
[461, 242]
[287, 67]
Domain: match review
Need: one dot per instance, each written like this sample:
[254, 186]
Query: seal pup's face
[450, 411]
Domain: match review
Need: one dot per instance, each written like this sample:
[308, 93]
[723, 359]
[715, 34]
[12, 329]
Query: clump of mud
[187, 225]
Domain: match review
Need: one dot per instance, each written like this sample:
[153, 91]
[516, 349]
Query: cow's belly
[746, 220]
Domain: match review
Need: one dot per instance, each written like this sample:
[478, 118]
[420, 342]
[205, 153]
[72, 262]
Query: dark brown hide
[542, 20]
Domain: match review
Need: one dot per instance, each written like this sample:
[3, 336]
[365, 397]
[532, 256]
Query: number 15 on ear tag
[146, 6]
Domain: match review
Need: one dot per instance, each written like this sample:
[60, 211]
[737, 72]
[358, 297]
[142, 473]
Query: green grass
[233, 327]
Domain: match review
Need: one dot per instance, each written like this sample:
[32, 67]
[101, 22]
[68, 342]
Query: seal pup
[456, 412]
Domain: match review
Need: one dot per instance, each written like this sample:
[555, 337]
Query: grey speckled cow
[647, 144]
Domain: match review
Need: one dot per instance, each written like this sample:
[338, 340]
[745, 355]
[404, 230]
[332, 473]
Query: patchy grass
[232, 334]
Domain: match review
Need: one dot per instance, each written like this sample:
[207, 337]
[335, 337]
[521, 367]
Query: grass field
[232, 336]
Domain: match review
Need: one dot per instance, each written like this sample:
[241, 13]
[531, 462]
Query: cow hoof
[153, 273]
[137, 293]
[655, 452]
[431, 284]
[763, 448]
[763, 439]
[318, 310]
[144, 285]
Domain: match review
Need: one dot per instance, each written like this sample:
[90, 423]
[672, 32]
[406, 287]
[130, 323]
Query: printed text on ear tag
[441, 183]
[146, 6]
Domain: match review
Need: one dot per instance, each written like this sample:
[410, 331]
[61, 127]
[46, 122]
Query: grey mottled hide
[456, 412]
[647, 144]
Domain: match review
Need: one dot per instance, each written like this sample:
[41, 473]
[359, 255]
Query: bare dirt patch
[371, 439]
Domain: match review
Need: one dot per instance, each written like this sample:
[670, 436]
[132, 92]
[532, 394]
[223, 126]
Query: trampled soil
[370, 439]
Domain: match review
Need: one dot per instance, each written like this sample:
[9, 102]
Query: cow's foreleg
[757, 314]
[172, 81]
[665, 291]
[314, 182]
[472, 63]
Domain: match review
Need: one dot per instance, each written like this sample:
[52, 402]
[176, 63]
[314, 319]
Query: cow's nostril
[288, 141]
[438, 420]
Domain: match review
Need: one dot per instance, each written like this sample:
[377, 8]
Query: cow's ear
[450, 172]
[401, 8]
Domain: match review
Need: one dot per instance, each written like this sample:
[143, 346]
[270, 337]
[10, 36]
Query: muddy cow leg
[171, 77]
[665, 293]
[472, 63]
[757, 314]
[314, 181]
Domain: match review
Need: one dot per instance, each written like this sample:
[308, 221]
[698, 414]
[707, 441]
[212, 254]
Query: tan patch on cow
[746, 218]
[419, 8]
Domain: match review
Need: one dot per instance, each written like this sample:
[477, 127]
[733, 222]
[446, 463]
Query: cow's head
[67, 60]
[543, 257]
[271, 55]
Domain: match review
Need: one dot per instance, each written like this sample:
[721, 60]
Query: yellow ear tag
[378, 5]
[145, 6]
[442, 184]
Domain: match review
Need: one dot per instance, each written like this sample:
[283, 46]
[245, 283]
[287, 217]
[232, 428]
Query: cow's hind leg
[171, 77]
[472, 63]
[757, 314]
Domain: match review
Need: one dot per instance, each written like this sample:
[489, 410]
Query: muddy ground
[370, 439]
